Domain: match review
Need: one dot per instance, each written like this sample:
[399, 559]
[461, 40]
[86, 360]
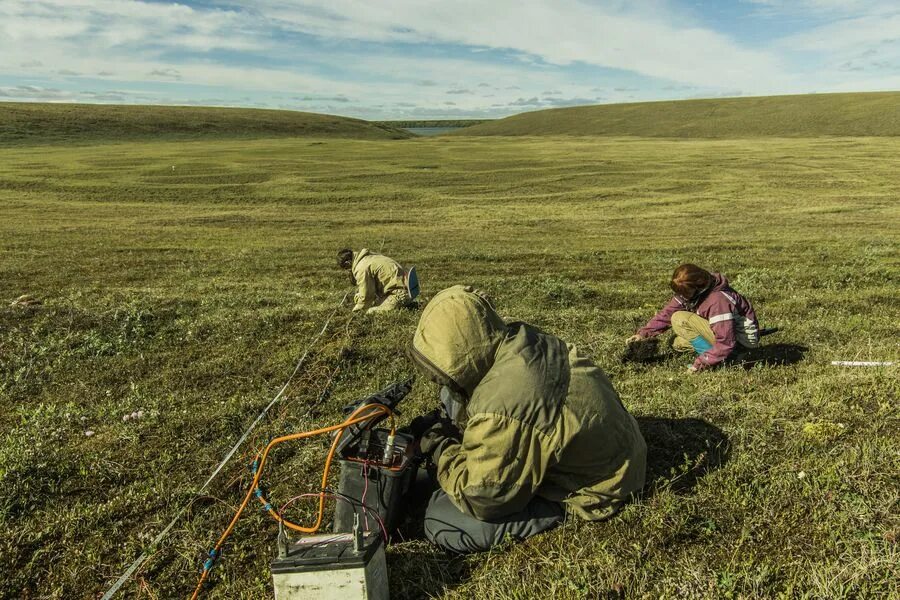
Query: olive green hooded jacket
[376, 276]
[542, 419]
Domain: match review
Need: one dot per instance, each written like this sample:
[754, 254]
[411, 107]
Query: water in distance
[429, 130]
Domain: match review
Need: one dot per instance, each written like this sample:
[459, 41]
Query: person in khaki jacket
[380, 281]
[545, 433]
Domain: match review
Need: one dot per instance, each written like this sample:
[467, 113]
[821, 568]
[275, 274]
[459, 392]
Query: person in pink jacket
[707, 316]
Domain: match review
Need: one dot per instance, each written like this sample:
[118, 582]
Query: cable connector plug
[388, 450]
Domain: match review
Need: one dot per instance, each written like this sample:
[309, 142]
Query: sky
[429, 59]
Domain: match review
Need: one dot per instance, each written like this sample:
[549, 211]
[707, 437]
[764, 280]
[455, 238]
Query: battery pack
[375, 476]
[332, 567]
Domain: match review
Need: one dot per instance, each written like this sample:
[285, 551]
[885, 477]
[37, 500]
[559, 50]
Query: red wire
[365, 491]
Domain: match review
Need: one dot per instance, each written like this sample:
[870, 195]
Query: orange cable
[261, 457]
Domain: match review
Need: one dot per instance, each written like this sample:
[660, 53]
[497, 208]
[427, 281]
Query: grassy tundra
[29, 123]
[184, 279]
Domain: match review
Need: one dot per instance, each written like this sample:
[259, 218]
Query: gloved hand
[635, 338]
[437, 437]
[418, 426]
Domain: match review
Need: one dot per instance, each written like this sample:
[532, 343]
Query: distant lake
[430, 130]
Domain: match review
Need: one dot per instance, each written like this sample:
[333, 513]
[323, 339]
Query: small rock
[89, 433]
[26, 301]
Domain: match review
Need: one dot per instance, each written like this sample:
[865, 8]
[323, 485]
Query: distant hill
[856, 114]
[29, 123]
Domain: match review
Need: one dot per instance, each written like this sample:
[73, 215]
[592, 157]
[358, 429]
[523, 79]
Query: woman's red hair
[688, 280]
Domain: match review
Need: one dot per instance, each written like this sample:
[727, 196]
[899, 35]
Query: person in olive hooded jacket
[545, 433]
[380, 281]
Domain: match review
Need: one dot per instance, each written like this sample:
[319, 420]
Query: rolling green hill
[812, 115]
[30, 123]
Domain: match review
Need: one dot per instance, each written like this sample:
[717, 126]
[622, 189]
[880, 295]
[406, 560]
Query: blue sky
[400, 59]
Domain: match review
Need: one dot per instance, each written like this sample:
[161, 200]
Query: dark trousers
[453, 530]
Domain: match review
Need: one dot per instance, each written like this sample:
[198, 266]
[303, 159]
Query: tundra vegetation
[176, 283]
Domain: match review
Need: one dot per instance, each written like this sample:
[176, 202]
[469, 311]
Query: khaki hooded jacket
[376, 276]
[542, 419]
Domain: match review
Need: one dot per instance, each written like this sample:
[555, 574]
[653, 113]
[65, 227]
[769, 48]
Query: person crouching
[380, 281]
[544, 432]
[708, 317]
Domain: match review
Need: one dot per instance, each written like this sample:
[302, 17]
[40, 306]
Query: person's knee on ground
[679, 344]
[388, 303]
[692, 332]
[383, 306]
[393, 301]
[449, 528]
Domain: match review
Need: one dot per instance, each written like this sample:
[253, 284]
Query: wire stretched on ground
[862, 363]
[162, 534]
[311, 372]
[285, 406]
[253, 446]
[280, 393]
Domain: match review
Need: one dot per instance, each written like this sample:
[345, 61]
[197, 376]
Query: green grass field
[184, 280]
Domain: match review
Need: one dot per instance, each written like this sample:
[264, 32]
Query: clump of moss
[823, 432]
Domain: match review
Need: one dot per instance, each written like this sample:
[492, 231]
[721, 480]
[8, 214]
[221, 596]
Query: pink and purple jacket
[730, 315]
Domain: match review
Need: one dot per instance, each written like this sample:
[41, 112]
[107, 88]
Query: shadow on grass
[680, 452]
[648, 352]
[419, 570]
[771, 355]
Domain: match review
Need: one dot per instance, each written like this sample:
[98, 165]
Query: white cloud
[845, 7]
[33, 93]
[861, 33]
[132, 40]
[852, 54]
[523, 48]
[560, 32]
[107, 24]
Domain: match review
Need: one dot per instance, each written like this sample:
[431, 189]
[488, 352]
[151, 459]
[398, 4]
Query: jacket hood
[718, 283]
[457, 338]
[358, 255]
